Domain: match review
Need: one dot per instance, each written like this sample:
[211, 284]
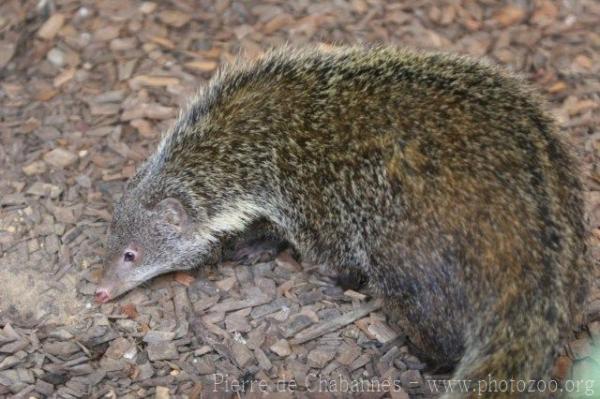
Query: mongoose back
[438, 177]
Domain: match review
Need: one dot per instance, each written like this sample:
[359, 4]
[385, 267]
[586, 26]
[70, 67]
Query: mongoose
[437, 176]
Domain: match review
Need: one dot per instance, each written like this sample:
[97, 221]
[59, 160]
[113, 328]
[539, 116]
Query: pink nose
[102, 295]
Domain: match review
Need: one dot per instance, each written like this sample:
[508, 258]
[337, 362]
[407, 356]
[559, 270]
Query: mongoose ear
[172, 211]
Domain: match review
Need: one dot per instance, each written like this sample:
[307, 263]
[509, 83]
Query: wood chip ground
[86, 89]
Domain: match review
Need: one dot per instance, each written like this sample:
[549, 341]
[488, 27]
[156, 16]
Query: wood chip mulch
[86, 88]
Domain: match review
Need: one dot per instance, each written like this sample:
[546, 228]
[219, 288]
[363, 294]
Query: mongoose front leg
[250, 252]
[352, 279]
[259, 242]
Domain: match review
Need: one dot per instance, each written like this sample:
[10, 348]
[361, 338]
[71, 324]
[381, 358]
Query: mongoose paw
[256, 252]
[352, 280]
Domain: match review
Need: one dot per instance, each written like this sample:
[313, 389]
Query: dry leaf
[60, 157]
[148, 7]
[184, 278]
[583, 61]
[163, 41]
[7, 50]
[355, 295]
[157, 111]
[472, 24]
[213, 53]
[45, 94]
[201, 66]
[582, 106]
[129, 310]
[226, 284]
[34, 168]
[106, 33]
[152, 81]
[448, 15]
[242, 31]
[144, 128]
[51, 27]
[196, 392]
[174, 18]
[287, 261]
[557, 87]
[64, 77]
[278, 22]
[221, 6]
[285, 288]
[123, 44]
[510, 15]
[363, 324]
[545, 13]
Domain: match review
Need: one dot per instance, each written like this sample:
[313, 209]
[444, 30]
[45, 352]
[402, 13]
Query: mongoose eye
[129, 256]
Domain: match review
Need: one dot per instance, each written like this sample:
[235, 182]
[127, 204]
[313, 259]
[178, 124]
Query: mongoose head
[160, 225]
[145, 241]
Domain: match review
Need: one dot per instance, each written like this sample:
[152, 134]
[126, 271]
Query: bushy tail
[512, 361]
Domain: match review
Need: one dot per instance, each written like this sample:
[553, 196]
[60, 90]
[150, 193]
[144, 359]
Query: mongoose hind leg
[431, 307]
[436, 343]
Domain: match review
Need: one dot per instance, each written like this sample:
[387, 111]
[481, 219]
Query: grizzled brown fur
[438, 177]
